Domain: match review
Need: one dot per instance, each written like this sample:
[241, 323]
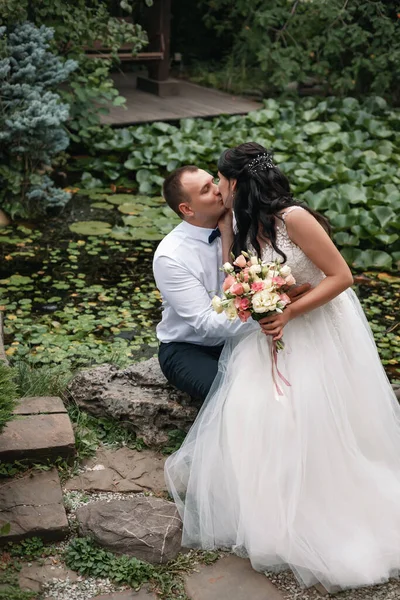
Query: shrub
[346, 47]
[31, 120]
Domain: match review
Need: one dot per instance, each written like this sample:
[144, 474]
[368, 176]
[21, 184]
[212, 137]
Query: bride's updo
[262, 191]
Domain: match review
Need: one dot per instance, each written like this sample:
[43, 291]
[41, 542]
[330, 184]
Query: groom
[187, 272]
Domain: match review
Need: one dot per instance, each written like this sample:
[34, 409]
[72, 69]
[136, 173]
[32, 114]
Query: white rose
[246, 287]
[216, 303]
[255, 269]
[264, 301]
[227, 267]
[285, 271]
[268, 283]
[231, 311]
[254, 260]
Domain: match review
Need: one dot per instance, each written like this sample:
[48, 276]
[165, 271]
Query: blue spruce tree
[31, 119]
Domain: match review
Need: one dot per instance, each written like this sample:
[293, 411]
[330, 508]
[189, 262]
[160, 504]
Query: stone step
[230, 578]
[33, 505]
[41, 430]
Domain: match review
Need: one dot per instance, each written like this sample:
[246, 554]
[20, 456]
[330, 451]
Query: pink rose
[257, 286]
[244, 304]
[244, 315]
[236, 289]
[285, 298]
[279, 280]
[240, 261]
[290, 280]
[229, 280]
[245, 275]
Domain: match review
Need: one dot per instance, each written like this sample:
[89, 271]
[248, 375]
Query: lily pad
[90, 227]
[102, 205]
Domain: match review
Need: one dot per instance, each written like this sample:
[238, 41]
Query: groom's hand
[295, 292]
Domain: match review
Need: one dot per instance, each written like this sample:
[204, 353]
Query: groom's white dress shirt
[187, 273]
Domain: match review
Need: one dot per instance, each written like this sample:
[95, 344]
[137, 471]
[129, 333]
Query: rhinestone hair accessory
[260, 163]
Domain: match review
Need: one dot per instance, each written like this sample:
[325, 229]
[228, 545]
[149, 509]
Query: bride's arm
[305, 231]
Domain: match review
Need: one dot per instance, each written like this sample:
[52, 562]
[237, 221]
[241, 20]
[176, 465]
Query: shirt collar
[195, 232]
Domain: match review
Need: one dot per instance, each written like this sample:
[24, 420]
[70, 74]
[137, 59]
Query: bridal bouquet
[255, 289]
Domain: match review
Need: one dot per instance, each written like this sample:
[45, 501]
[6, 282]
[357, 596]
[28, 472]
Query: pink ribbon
[274, 355]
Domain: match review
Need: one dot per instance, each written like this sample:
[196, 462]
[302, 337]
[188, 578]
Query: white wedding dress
[309, 480]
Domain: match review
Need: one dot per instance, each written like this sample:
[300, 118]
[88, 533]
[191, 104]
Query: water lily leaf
[128, 208]
[120, 198]
[90, 227]
[102, 205]
[352, 193]
[384, 215]
[16, 280]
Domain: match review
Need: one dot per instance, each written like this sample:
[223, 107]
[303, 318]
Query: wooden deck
[193, 101]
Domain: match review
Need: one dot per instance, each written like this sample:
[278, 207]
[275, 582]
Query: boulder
[139, 396]
[147, 528]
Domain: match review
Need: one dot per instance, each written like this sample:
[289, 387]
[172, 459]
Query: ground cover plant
[342, 158]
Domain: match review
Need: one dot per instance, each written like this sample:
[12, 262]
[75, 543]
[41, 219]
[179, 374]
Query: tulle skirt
[309, 479]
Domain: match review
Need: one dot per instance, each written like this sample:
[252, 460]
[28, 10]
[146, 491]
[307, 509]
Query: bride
[310, 480]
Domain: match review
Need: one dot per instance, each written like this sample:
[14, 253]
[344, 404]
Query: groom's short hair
[173, 191]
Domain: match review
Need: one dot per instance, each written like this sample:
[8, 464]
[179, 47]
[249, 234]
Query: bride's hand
[274, 324]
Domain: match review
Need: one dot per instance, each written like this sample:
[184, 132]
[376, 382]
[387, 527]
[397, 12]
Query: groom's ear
[185, 209]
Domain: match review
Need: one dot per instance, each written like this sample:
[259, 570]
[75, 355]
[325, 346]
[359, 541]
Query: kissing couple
[309, 480]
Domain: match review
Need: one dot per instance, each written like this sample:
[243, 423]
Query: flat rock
[40, 405]
[128, 595]
[33, 505]
[147, 528]
[139, 396]
[230, 577]
[34, 575]
[37, 437]
[121, 470]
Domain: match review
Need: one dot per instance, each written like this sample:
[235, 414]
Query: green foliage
[84, 556]
[29, 549]
[90, 432]
[175, 440]
[31, 118]
[8, 394]
[341, 157]
[345, 47]
[32, 380]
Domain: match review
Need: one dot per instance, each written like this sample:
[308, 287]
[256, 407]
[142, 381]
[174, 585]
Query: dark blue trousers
[189, 367]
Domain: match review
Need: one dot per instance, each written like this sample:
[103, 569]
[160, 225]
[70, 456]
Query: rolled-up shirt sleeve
[188, 297]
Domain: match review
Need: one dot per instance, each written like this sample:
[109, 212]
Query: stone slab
[34, 575]
[33, 505]
[35, 405]
[128, 595]
[37, 437]
[121, 470]
[230, 577]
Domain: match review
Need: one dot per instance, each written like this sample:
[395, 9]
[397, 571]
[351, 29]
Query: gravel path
[289, 588]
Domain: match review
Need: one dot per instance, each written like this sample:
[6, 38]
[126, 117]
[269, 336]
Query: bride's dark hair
[262, 191]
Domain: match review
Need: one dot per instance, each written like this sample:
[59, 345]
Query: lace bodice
[302, 268]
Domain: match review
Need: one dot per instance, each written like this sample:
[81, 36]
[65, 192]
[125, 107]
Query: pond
[77, 289]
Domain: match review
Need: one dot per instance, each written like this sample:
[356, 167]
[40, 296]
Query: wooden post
[158, 30]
